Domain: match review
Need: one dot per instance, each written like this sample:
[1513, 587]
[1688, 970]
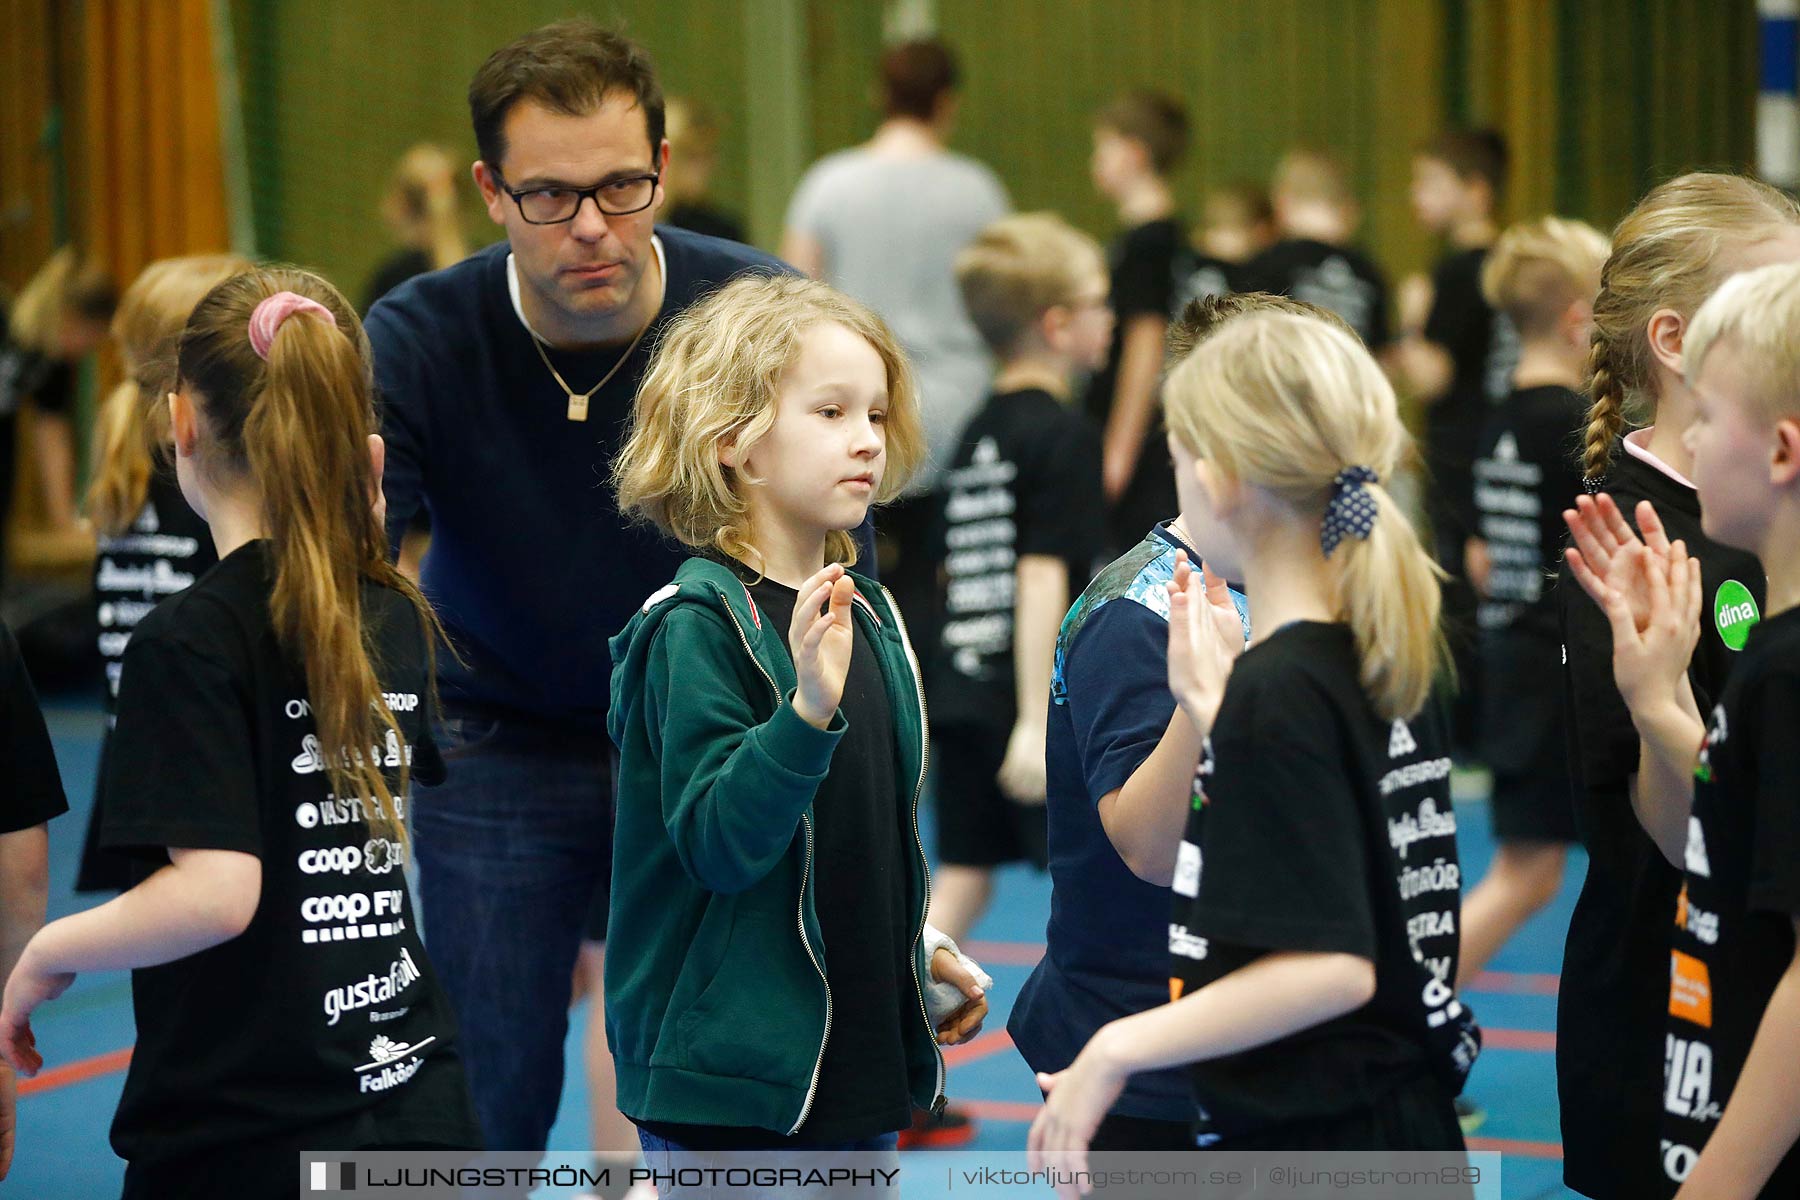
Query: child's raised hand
[821, 643]
[1601, 535]
[1651, 653]
[1205, 637]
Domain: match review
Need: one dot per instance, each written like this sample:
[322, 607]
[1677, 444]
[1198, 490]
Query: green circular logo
[1734, 612]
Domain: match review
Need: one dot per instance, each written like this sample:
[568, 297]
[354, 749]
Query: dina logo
[1734, 613]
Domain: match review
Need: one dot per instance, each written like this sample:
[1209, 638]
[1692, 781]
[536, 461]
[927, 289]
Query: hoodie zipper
[812, 1088]
[938, 1100]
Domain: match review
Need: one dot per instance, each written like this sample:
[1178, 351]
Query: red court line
[1521, 1148]
[79, 1071]
[1517, 1039]
[982, 1047]
[1523, 983]
[1006, 954]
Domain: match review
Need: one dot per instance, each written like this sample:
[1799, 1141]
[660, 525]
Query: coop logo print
[380, 855]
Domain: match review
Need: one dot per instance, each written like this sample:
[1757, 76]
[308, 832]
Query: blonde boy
[1732, 1042]
[1022, 528]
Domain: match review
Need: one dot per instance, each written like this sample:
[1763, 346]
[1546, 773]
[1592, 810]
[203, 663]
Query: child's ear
[1665, 332]
[184, 429]
[1784, 468]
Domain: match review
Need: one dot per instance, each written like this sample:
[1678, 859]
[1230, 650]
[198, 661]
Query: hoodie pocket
[748, 1021]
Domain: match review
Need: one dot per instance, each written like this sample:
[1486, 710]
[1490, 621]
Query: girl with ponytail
[1670, 253]
[150, 543]
[1314, 935]
[269, 720]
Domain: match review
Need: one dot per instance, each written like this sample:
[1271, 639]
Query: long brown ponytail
[297, 427]
[129, 423]
[1670, 251]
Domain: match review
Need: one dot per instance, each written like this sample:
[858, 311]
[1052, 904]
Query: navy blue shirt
[1107, 953]
[531, 566]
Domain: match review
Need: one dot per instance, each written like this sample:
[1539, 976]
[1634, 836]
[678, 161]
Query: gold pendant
[578, 406]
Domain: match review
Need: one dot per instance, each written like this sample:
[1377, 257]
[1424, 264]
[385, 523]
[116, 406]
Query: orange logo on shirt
[1174, 990]
[1690, 989]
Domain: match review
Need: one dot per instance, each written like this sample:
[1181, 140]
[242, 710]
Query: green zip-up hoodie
[717, 1007]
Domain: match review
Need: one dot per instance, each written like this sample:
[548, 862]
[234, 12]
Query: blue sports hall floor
[86, 1036]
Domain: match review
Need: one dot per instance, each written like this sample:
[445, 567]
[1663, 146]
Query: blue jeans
[512, 849]
[880, 1152]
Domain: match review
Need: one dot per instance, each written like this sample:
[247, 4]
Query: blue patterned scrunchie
[1351, 510]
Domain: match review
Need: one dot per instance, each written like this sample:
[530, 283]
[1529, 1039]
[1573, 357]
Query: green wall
[1601, 97]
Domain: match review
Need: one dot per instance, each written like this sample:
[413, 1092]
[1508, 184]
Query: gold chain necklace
[1185, 538]
[578, 401]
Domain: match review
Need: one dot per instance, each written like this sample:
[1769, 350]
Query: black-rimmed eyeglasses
[555, 205]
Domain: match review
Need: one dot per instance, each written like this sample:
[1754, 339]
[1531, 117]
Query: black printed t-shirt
[1334, 277]
[1199, 276]
[1142, 263]
[1320, 827]
[1734, 921]
[322, 1022]
[1483, 349]
[1147, 263]
[164, 551]
[1025, 480]
[862, 821]
[1612, 1004]
[32, 792]
[1525, 475]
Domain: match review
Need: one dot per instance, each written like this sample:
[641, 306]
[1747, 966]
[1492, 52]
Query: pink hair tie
[267, 317]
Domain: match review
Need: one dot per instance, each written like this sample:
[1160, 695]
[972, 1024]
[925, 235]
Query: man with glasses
[506, 385]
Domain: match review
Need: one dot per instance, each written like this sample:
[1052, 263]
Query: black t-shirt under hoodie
[1612, 1004]
[862, 823]
[322, 1025]
[1318, 826]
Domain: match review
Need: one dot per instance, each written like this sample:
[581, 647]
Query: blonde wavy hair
[1670, 251]
[713, 383]
[132, 421]
[1537, 269]
[1285, 402]
[1759, 311]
